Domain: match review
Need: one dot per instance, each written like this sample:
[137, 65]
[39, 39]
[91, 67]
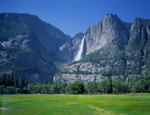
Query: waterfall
[80, 51]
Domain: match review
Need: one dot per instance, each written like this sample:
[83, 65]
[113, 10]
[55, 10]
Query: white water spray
[80, 51]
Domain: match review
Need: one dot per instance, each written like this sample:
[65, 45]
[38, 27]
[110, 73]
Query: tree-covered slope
[29, 46]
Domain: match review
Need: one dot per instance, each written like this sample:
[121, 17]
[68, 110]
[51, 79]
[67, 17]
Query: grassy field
[127, 104]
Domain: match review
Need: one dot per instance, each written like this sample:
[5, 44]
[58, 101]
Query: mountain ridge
[41, 52]
[29, 46]
[117, 49]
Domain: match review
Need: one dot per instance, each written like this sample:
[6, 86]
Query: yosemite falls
[80, 51]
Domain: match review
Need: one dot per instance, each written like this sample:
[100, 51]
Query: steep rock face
[29, 46]
[138, 48]
[69, 50]
[110, 29]
[120, 50]
[80, 71]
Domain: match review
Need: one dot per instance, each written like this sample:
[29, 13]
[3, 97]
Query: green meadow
[104, 104]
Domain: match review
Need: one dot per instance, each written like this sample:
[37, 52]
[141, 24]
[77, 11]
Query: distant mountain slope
[28, 46]
[113, 49]
[36, 50]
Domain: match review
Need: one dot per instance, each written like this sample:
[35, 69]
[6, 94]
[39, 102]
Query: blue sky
[73, 16]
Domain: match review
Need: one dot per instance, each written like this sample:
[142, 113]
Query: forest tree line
[10, 84]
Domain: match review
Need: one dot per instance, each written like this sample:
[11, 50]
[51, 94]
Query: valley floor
[127, 104]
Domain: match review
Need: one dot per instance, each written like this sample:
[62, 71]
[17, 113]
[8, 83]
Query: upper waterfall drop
[80, 51]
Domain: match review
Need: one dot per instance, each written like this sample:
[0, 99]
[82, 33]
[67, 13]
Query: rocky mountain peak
[109, 29]
[100, 35]
[113, 49]
[110, 16]
[110, 19]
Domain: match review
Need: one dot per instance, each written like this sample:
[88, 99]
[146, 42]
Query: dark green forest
[10, 84]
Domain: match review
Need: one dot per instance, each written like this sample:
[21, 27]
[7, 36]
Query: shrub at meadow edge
[17, 85]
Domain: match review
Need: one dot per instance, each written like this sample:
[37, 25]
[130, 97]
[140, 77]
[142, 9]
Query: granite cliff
[113, 48]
